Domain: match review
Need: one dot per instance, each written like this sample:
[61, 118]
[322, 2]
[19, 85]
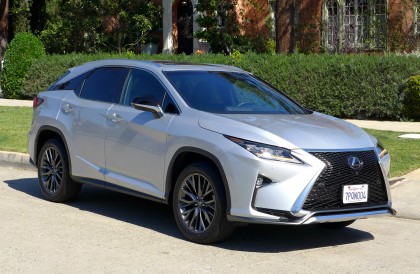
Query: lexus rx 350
[217, 143]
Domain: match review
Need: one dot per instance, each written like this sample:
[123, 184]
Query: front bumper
[284, 199]
[318, 217]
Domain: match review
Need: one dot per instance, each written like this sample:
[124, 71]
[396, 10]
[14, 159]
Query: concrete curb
[16, 158]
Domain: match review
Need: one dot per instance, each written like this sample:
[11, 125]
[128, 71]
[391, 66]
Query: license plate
[355, 194]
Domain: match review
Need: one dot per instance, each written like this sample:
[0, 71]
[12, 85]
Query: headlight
[266, 151]
[381, 150]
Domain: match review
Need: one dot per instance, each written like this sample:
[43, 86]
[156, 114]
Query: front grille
[327, 192]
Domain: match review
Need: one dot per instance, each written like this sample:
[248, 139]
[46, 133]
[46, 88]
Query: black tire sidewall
[61, 194]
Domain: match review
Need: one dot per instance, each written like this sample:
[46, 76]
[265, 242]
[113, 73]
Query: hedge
[23, 49]
[412, 97]
[346, 86]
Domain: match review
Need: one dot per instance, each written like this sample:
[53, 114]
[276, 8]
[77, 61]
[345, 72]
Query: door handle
[115, 118]
[67, 108]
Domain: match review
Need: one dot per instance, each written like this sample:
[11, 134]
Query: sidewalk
[409, 127]
[15, 103]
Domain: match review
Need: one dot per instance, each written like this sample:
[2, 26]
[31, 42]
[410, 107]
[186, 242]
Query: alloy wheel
[51, 170]
[197, 203]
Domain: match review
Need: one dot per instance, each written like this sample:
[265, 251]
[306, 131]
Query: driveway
[103, 231]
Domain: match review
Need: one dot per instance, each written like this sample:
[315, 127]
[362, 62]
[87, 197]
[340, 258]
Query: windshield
[230, 92]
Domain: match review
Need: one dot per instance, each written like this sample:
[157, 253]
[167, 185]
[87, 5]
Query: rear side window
[104, 84]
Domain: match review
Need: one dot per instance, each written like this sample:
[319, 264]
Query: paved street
[109, 232]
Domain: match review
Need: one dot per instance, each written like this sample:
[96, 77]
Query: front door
[135, 145]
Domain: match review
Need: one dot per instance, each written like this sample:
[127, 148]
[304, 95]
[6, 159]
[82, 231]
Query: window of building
[332, 24]
[352, 25]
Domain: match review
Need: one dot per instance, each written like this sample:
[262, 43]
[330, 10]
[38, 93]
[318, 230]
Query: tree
[218, 21]
[285, 29]
[4, 26]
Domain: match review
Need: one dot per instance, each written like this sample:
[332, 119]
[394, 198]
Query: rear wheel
[199, 204]
[53, 173]
[338, 225]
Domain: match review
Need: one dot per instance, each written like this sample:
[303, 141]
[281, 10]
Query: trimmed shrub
[412, 97]
[346, 86]
[23, 49]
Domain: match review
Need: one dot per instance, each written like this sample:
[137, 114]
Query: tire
[199, 204]
[338, 225]
[53, 173]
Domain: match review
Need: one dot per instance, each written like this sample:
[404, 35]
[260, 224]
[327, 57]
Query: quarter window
[75, 83]
[104, 84]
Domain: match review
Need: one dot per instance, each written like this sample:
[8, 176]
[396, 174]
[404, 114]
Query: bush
[23, 49]
[346, 86]
[412, 97]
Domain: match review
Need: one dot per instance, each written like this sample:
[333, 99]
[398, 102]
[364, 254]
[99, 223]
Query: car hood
[314, 131]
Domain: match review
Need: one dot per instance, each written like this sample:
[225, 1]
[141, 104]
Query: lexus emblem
[355, 163]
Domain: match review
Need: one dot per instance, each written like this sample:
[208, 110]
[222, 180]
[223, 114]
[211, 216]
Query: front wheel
[199, 204]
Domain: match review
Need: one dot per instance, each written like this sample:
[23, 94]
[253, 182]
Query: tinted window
[54, 86]
[75, 83]
[168, 105]
[229, 92]
[142, 84]
[104, 84]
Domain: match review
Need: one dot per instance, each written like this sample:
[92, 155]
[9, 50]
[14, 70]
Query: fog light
[262, 181]
[259, 182]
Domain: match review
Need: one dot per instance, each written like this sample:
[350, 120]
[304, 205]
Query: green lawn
[405, 153]
[16, 121]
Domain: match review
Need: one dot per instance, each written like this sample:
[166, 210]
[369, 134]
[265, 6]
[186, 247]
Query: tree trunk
[4, 26]
[285, 26]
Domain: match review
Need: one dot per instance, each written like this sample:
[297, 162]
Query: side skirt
[117, 188]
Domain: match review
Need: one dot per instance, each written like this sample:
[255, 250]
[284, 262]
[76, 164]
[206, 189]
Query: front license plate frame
[355, 193]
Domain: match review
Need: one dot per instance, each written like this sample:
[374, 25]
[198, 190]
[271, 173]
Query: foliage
[219, 23]
[20, 14]
[412, 97]
[98, 25]
[23, 49]
[347, 86]
[308, 37]
[217, 18]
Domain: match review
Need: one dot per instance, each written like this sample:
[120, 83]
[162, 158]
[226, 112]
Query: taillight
[37, 102]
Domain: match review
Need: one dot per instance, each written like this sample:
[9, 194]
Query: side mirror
[149, 104]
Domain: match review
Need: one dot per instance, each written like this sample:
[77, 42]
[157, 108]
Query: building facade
[306, 25]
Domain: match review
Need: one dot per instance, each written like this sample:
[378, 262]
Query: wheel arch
[44, 134]
[188, 155]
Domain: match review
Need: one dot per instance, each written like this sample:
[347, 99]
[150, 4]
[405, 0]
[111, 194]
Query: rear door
[135, 144]
[85, 111]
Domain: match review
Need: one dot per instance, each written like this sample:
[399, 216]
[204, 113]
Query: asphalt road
[110, 232]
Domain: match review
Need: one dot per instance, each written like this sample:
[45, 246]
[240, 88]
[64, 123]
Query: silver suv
[218, 144]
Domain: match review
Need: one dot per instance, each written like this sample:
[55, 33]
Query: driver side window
[142, 84]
